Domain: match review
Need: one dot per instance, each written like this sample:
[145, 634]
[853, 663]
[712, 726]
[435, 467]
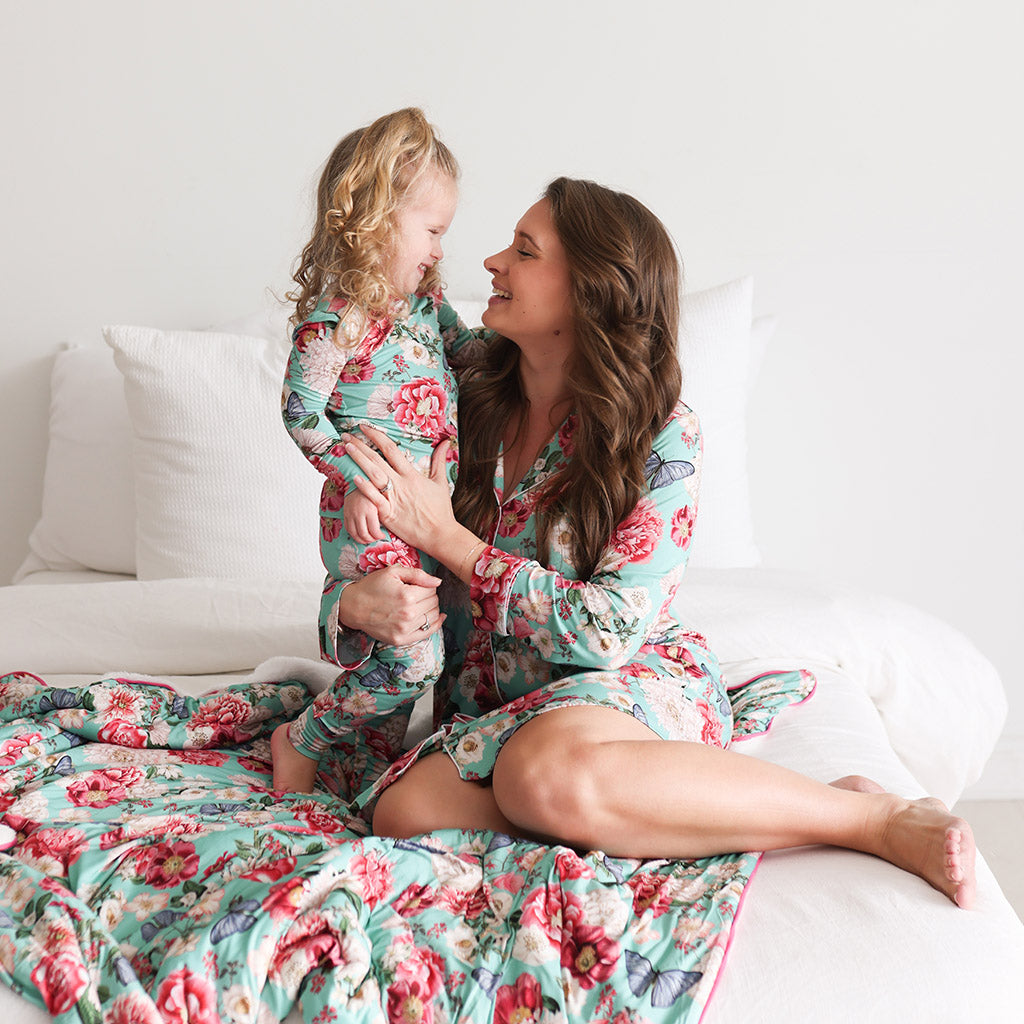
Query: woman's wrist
[459, 548]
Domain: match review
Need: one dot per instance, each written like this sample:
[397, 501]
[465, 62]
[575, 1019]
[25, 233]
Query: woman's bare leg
[432, 795]
[596, 778]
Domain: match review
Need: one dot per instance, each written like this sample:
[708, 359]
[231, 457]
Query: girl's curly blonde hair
[364, 183]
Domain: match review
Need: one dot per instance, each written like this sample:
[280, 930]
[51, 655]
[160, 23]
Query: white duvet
[941, 702]
[825, 935]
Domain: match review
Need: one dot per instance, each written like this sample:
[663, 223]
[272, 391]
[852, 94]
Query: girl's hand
[416, 508]
[362, 521]
[396, 605]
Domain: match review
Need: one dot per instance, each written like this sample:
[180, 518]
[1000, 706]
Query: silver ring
[384, 488]
[426, 624]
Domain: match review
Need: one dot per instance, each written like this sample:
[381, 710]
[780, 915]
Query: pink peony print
[359, 368]
[103, 788]
[374, 872]
[283, 901]
[225, 714]
[409, 1003]
[187, 998]
[310, 941]
[53, 850]
[11, 750]
[467, 904]
[570, 865]
[418, 979]
[513, 517]
[551, 909]
[413, 900]
[638, 534]
[711, 725]
[421, 405]
[649, 893]
[519, 1003]
[167, 864]
[682, 526]
[133, 1009]
[588, 953]
[388, 552]
[331, 528]
[122, 733]
[61, 979]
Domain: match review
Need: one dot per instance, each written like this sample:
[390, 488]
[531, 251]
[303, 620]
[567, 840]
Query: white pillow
[220, 488]
[88, 519]
[88, 516]
[716, 355]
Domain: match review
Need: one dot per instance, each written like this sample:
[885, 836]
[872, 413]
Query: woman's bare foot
[923, 837]
[293, 772]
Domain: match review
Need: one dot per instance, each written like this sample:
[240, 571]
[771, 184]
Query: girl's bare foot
[293, 772]
[923, 837]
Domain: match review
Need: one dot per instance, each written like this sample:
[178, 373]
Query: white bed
[177, 567]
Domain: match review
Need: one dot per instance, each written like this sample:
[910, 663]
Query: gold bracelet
[471, 556]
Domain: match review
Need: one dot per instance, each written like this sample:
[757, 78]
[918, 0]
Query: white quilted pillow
[716, 355]
[220, 488]
[88, 516]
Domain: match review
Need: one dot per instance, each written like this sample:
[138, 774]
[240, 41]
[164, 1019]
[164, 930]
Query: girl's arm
[601, 622]
[462, 344]
[315, 366]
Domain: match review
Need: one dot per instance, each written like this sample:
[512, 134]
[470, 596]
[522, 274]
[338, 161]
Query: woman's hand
[396, 605]
[414, 507]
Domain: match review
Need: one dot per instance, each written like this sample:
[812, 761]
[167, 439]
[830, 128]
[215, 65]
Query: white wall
[863, 161]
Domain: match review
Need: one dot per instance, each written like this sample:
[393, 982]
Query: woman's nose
[493, 264]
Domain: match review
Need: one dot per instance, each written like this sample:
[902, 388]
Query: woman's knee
[549, 784]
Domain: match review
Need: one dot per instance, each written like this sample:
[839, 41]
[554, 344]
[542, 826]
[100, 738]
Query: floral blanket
[150, 875]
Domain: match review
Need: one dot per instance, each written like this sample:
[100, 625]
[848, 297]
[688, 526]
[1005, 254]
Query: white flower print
[462, 941]
[321, 363]
[504, 665]
[537, 606]
[533, 947]
[470, 749]
[381, 403]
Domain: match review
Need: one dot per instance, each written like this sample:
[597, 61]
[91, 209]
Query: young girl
[367, 348]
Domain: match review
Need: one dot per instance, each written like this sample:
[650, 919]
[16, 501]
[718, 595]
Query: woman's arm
[601, 622]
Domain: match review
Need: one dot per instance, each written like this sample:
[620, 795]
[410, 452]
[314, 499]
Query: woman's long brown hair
[625, 376]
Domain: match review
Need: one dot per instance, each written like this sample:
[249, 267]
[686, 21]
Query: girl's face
[532, 304]
[420, 224]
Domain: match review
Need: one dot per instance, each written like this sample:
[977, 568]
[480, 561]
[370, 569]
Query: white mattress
[824, 934]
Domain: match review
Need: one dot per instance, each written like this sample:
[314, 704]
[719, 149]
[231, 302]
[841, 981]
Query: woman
[573, 686]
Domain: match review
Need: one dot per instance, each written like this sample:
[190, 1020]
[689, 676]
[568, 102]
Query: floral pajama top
[528, 638]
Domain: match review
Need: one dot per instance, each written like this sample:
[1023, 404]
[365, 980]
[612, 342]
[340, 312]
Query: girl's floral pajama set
[396, 378]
